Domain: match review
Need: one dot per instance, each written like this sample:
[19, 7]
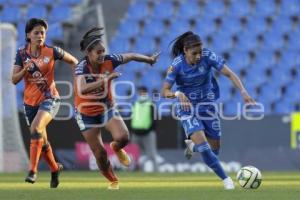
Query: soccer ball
[249, 177]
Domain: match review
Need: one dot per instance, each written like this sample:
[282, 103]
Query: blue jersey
[197, 81]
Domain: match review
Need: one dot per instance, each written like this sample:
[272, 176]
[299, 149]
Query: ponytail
[188, 40]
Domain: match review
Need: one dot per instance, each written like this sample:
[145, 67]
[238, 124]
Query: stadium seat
[240, 8]
[154, 28]
[11, 14]
[69, 2]
[294, 42]
[286, 106]
[290, 8]
[238, 60]
[264, 59]
[19, 2]
[145, 45]
[119, 45]
[289, 59]
[189, 10]
[179, 26]
[138, 10]
[37, 11]
[44, 2]
[163, 10]
[55, 32]
[221, 42]
[265, 8]
[231, 25]
[215, 9]
[282, 25]
[60, 13]
[129, 28]
[204, 27]
[256, 24]
[273, 40]
[247, 41]
[278, 75]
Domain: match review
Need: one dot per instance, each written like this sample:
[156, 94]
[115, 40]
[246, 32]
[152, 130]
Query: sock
[210, 159]
[216, 151]
[47, 154]
[36, 143]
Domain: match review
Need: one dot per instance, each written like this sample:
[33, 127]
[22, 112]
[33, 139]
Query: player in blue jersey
[197, 90]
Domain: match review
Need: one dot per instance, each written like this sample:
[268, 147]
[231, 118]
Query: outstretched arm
[237, 83]
[127, 57]
[68, 58]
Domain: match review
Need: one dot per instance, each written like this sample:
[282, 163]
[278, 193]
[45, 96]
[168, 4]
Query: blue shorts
[200, 120]
[49, 105]
[86, 122]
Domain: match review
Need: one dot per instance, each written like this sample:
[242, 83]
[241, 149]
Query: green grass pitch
[147, 186]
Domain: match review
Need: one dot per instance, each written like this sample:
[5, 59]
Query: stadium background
[258, 38]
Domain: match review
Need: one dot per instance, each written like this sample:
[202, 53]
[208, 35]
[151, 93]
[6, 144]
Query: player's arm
[85, 88]
[18, 73]
[68, 58]
[166, 91]
[237, 83]
[127, 57]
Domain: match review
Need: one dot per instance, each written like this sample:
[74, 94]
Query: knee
[37, 129]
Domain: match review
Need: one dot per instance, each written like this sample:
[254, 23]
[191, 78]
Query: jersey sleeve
[18, 59]
[58, 53]
[117, 59]
[79, 69]
[172, 73]
[215, 61]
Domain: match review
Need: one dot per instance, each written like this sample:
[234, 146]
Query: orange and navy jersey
[39, 79]
[97, 101]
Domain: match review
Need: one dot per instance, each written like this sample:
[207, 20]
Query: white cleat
[188, 152]
[228, 184]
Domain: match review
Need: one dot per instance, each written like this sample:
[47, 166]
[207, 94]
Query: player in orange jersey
[94, 102]
[35, 64]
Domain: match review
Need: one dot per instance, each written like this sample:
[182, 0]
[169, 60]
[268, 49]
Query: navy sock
[210, 159]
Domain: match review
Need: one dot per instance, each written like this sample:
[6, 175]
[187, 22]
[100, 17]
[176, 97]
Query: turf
[141, 186]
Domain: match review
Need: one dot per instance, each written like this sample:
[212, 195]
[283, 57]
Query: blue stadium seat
[256, 24]
[60, 13]
[69, 2]
[179, 26]
[189, 10]
[247, 41]
[21, 31]
[273, 40]
[238, 60]
[270, 92]
[204, 27]
[138, 10]
[290, 8]
[264, 59]
[215, 9]
[265, 8]
[240, 8]
[282, 25]
[279, 76]
[289, 59]
[11, 14]
[256, 78]
[231, 25]
[37, 11]
[128, 28]
[286, 106]
[292, 91]
[43, 2]
[4, 2]
[119, 45]
[294, 42]
[154, 28]
[145, 45]
[19, 2]
[55, 32]
[163, 62]
[152, 80]
[219, 44]
[163, 10]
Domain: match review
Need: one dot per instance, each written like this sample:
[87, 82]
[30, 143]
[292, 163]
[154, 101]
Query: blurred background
[258, 38]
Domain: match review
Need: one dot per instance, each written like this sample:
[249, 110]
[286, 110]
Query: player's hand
[247, 98]
[154, 58]
[184, 101]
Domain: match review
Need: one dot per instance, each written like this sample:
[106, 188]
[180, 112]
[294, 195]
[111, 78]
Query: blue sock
[210, 159]
[216, 151]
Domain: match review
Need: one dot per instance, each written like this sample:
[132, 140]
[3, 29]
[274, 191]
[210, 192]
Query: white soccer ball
[249, 177]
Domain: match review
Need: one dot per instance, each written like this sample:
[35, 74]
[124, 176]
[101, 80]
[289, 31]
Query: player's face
[193, 54]
[97, 54]
[37, 36]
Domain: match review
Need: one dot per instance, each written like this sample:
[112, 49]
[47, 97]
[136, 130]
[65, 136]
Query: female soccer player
[94, 102]
[35, 64]
[197, 91]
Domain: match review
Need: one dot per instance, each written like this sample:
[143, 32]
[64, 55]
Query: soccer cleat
[31, 177]
[122, 155]
[228, 184]
[113, 185]
[188, 152]
[55, 175]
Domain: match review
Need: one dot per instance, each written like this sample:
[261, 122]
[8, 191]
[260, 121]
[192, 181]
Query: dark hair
[188, 40]
[33, 22]
[142, 89]
[91, 39]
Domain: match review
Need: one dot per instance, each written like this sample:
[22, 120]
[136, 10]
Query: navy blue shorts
[200, 120]
[86, 122]
[49, 105]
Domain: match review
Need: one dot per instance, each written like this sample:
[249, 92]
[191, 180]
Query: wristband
[177, 94]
